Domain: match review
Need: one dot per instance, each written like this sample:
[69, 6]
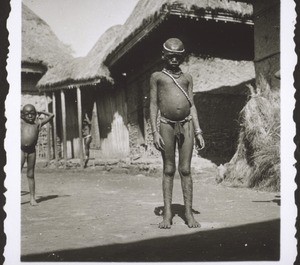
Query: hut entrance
[73, 143]
[111, 111]
[89, 108]
[219, 115]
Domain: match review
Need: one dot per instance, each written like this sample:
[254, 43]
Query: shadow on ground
[46, 198]
[277, 200]
[251, 242]
[177, 209]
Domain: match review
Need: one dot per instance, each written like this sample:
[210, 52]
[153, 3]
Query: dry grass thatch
[256, 163]
[91, 67]
[39, 44]
[83, 69]
[148, 10]
[212, 73]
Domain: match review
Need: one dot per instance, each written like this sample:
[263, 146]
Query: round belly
[176, 109]
[29, 136]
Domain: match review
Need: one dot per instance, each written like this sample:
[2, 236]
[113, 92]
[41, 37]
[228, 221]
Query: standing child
[30, 128]
[87, 138]
[171, 93]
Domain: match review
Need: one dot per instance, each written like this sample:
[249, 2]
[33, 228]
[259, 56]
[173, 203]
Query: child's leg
[30, 176]
[22, 159]
[169, 167]
[87, 142]
[184, 168]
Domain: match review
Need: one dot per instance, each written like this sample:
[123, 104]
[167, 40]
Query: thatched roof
[39, 44]
[91, 69]
[218, 75]
[82, 70]
[148, 10]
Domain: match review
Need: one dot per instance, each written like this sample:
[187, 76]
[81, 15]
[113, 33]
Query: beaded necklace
[175, 75]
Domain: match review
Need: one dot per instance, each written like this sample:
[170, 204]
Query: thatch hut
[267, 41]
[84, 86]
[256, 162]
[266, 18]
[41, 50]
[218, 36]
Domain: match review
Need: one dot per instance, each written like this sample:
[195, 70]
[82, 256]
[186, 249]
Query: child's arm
[200, 144]
[157, 139]
[47, 119]
[87, 119]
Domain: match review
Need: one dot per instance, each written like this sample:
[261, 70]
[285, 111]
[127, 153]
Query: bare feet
[191, 222]
[33, 202]
[166, 222]
[86, 162]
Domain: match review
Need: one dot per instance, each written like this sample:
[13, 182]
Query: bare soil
[95, 215]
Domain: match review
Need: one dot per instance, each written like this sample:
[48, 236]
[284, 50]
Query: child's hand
[200, 144]
[158, 142]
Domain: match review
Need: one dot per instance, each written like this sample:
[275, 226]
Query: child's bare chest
[167, 87]
[29, 133]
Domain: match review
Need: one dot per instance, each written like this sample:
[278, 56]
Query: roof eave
[129, 43]
[126, 46]
[30, 67]
[71, 84]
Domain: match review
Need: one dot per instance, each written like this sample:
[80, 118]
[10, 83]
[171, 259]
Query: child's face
[173, 60]
[29, 114]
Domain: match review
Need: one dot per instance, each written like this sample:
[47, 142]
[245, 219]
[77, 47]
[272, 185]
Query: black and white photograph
[150, 131]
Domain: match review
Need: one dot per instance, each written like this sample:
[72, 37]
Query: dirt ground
[96, 215]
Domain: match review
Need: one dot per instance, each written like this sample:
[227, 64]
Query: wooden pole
[96, 124]
[79, 112]
[54, 127]
[64, 124]
[48, 131]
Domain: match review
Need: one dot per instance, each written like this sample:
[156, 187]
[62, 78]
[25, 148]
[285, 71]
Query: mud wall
[137, 90]
[267, 40]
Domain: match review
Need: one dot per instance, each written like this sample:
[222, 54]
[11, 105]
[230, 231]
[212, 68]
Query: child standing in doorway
[87, 138]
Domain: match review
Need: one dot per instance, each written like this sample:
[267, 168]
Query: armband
[198, 131]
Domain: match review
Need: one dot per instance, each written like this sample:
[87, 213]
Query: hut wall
[58, 118]
[138, 102]
[136, 124]
[267, 39]
[112, 121]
